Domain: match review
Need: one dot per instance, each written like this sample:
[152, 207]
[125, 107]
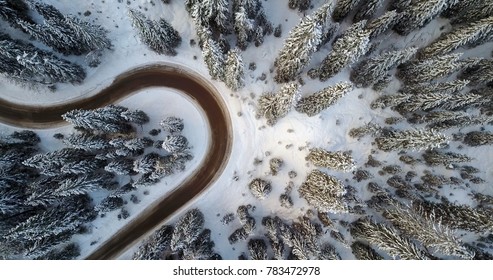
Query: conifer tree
[418, 14]
[66, 34]
[346, 50]
[333, 160]
[302, 42]
[372, 70]
[172, 124]
[387, 239]
[478, 74]
[243, 27]
[14, 10]
[187, 230]
[383, 23]
[471, 34]
[257, 249]
[274, 106]
[214, 59]
[434, 158]
[234, 75]
[463, 11]
[448, 88]
[367, 10]
[420, 71]
[478, 138]
[159, 36]
[410, 140]
[316, 103]
[364, 252]
[260, 188]
[343, 8]
[428, 230]
[323, 192]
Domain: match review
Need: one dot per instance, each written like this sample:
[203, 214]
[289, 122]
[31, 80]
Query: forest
[419, 194]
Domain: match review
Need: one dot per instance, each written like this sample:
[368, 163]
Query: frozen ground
[253, 139]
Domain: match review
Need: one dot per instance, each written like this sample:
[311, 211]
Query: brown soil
[124, 85]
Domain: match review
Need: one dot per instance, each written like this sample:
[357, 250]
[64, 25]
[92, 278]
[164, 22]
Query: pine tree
[456, 216]
[372, 70]
[14, 10]
[478, 74]
[420, 71]
[316, 103]
[464, 11]
[234, 75]
[260, 188]
[346, 50]
[172, 124]
[201, 248]
[303, 41]
[120, 166]
[383, 23]
[410, 140]
[175, 144]
[333, 160]
[472, 34]
[156, 245]
[159, 36]
[387, 239]
[364, 252]
[428, 230]
[214, 59]
[187, 230]
[419, 13]
[66, 34]
[108, 119]
[257, 249]
[80, 185]
[87, 141]
[243, 27]
[478, 138]
[323, 192]
[447, 88]
[434, 158]
[367, 10]
[274, 106]
[343, 8]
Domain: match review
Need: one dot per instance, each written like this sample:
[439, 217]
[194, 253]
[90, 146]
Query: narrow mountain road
[124, 85]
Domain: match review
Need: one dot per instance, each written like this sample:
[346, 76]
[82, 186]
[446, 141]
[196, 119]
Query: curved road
[124, 85]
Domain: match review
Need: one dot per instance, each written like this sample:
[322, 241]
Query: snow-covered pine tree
[434, 158]
[449, 88]
[346, 50]
[324, 192]
[371, 70]
[259, 188]
[172, 124]
[66, 34]
[243, 27]
[387, 239]
[80, 185]
[27, 64]
[364, 252]
[234, 75]
[14, 10]
[138, 117]
[321, 100]
[420, 71]
[257, 249]
[343, 8]
[107, 119]
[159, 36]
[367, 10]
[472, 34]
[463, 11]
[301, 5]
[480, 73]
[274, 106]
[175, 144]
[419, 13]
[87, 141]
[383, 23]
[342, 161]
[302, 42]
[156, 245]
[428, 230]
[411, 140]
[120, 166]
[456, 216]
[478, 138]
[214, 59]
[146, 164]
[389, 100]
[201, 248]
[187, 230]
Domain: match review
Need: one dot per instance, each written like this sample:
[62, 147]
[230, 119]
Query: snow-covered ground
[289, 139]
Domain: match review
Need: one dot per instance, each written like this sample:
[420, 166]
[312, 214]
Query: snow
[289, 139]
